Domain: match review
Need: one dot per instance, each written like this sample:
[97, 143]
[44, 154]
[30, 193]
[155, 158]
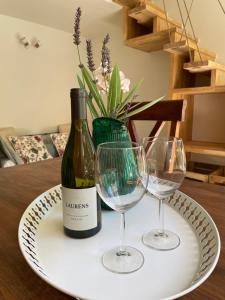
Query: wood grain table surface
[20, 185]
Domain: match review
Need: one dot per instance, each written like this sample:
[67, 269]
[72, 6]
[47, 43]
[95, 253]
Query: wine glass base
[123, 262]
[161, 241]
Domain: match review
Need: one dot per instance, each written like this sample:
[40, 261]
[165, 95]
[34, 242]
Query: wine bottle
[81, 208]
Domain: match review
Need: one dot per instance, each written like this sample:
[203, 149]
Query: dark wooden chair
[162, 112]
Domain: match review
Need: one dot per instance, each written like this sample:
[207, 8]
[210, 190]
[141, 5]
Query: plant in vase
[108, 92]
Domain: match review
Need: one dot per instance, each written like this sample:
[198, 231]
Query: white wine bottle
[81, 208]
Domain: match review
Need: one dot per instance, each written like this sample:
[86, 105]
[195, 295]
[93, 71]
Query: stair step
[202, 171]
[198, 90]
[212, 81]
[182, 48]
[203, 66]
[128, 3]
[149, 42]
[153, 41]
[146, 12]
[205, 148]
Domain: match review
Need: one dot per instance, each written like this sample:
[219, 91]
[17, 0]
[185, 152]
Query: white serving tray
[74, 266]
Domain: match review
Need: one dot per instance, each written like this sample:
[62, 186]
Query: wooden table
[21, 184]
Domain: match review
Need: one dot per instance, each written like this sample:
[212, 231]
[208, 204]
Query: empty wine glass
[120, 172]
[166, 167]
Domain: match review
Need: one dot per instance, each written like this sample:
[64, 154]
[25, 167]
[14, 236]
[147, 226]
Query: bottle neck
[80, 125]
[78, 109]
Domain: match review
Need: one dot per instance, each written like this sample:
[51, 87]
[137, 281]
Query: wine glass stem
[161, 217]
[122, 234]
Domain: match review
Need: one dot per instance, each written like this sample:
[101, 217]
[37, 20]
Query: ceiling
[59, 14]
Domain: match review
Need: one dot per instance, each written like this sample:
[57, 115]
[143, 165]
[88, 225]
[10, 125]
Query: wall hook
[23, 40]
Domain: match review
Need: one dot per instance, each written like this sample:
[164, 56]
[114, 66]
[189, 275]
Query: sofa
[23, 149]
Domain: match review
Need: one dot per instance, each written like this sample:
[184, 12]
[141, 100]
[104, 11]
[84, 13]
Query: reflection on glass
[120, 172]
[166, 167]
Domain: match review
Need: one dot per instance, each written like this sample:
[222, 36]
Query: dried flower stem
[79, 57]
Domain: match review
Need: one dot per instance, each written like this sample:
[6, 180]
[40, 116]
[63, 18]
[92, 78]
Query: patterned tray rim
[43, 276]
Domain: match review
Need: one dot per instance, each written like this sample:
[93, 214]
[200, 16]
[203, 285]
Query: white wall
[35, 83]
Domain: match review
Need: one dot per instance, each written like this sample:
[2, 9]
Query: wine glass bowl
[166, 167]
[120, 172]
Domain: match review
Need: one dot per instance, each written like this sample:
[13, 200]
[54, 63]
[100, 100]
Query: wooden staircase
[184, 47]
[194, 70]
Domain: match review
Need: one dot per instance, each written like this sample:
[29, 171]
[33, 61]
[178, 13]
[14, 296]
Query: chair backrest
[166, 110]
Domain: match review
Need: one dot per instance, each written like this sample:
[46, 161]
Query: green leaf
[130, 94]
[125, 109]
[81, 84]
[140, 109]
[121, 97]
[114, 90]
[94, 91]
[91, 107]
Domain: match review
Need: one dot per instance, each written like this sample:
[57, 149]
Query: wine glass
[166, 167]
[120, 172]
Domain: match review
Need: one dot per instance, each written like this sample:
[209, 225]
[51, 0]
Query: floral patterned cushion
[30, 148]
[59, 140]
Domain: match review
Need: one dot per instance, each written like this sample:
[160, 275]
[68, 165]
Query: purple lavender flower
[90, 58]
[76, 35]
[106, 61]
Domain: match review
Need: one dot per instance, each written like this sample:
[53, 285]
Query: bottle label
[79, 208]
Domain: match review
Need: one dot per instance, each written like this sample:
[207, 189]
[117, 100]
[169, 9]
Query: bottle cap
[78, 104]
[76, 93]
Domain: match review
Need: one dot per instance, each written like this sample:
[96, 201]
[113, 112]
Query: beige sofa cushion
[59, 140]
[62, 128]
[7, 147]
[30, 148]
